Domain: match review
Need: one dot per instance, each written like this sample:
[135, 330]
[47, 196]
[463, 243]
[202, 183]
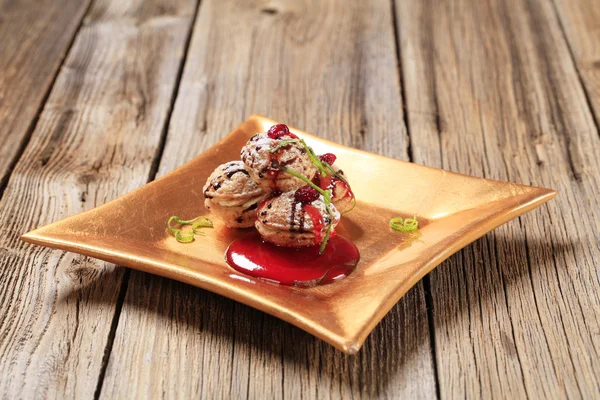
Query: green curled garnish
[404, 225]
[184, 237]
[188, 236]
[351, 208]
[202, 223]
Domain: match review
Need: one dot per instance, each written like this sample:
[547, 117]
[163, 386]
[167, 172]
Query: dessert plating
[292, 196]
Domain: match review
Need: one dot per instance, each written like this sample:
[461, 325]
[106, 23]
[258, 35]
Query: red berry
[329, 158]
[306, 195]
[280, 130]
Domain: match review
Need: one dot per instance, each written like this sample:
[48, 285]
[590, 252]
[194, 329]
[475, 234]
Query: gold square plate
[453, 211]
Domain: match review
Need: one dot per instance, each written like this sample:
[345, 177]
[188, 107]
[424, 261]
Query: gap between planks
[151, 176]
[409, 150]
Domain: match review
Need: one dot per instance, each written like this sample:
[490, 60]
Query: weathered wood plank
[96, 139]
[34, 38]
[491, 90]
[580, 20]
[328, 67]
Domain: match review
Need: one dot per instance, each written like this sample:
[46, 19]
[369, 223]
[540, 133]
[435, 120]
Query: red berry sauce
[304, 266]
[317, 220]
[326, 182]
[330, 182]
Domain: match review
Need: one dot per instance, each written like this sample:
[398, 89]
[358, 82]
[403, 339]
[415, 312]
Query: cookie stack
[292, 196]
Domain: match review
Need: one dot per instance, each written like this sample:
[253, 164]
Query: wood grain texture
[329, 68]
[34, 38]
[96, 139]
[491, 90]
[580, 21]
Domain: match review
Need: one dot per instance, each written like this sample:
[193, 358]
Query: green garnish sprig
[283, 143]
[326, 198]
[351, 208]
[324, 192]
[188, 236]
[314, 158]
[343, 179]
[324, 169]
[309, 151]
[335, 173]
[404, 225]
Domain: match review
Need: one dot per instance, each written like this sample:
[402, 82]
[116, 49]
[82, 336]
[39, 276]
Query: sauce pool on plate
[252, 256]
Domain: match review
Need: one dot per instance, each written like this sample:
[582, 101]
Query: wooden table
[98, 97]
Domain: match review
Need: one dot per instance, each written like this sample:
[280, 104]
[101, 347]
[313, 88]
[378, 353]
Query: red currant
[329, 158]
[306, 195]
[280, 130]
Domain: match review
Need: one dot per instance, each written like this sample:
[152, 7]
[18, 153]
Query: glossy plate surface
[453, 210]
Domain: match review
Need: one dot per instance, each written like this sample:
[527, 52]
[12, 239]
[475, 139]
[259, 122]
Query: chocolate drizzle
[235, 171]
[288, 162]
[228, 170]
[293, 217]
[302, 217]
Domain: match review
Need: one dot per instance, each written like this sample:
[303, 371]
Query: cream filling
[238, 202]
